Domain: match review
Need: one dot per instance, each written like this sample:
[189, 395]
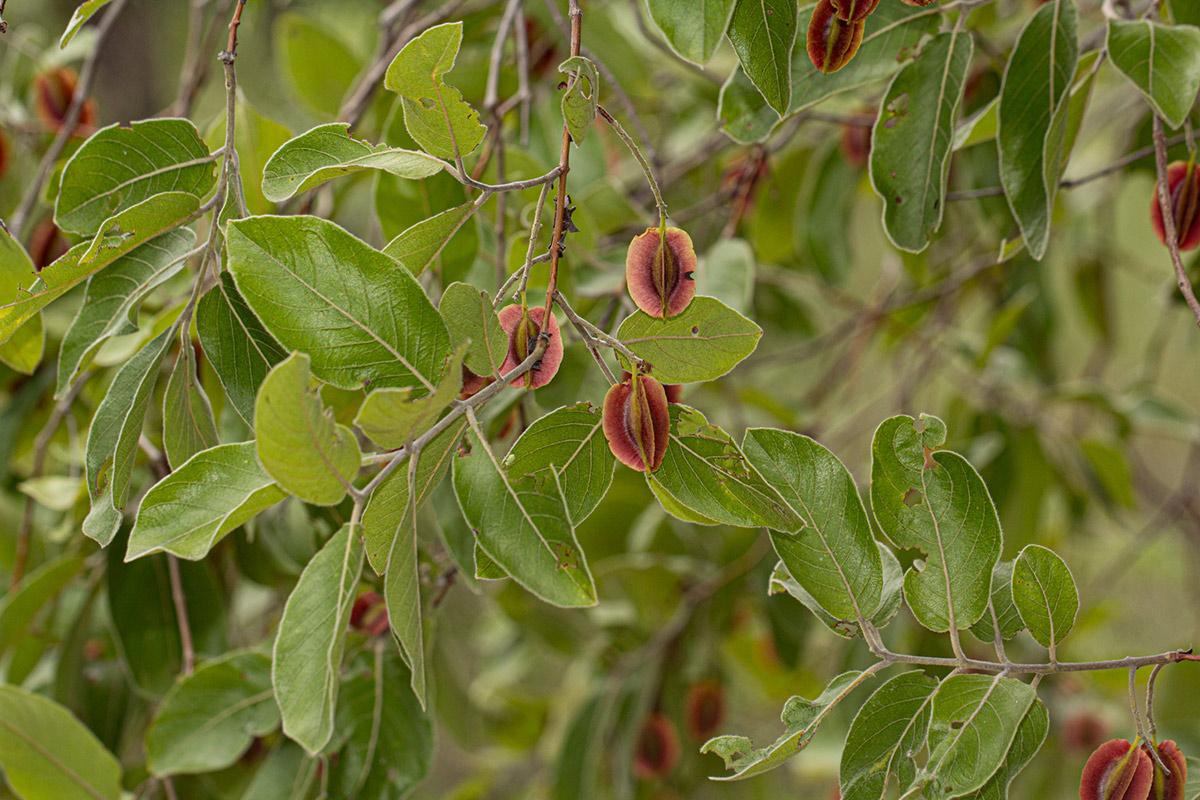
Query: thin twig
[601, 336]
[185, 628]
[1150, 723]
[1168, 218]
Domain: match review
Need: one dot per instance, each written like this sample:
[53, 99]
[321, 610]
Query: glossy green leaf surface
[702, 343]
[763, 34]
[1162, 61]
[1044, 594]
[693, 28]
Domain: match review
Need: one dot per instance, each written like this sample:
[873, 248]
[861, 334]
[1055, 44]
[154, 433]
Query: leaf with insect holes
[437, 117]
[888, 730]
[704, 342]
[582, 97]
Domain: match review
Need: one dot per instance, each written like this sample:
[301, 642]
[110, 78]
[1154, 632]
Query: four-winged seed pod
[1164, 786]
[523, 325]
[832, 40]
[658, 271]
[1117, 770]
[637, 423]
[1183, 188]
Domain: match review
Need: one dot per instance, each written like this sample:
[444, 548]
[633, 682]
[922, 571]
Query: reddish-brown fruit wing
[53, 92]
[369, 614]
[674, 390]
[1183, 189]
[705, 709]
[510, 319]
[5, 153]
[657, 748]
[856, 143]
[918, 3]
[854, 10]
[472, 383]
[1169, 787]
[658, 272]
[832, 42]
[1117, 771]
[637, 423]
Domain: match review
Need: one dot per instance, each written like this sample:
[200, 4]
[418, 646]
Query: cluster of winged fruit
[1123, 770]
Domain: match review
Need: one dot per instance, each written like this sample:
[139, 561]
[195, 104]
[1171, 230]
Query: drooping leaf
[935, 501]
[1162, 61]
[801, 718]
[83, 13]
[763, 34]
[190, 510]
[418, 247]
[728, 274]
[23, 350]
[239, 348]
[21, 604]
[322, 292]
[1002, 601]
[113, 296]
[893, 591]
[118, 236]
[188, 423]
[312, 634]
[469, 315]
[524, 526]
[703, 343]
[299, 443]
[912, 139]
[48, 754]
[391, 417]
[122, 166]
[1031, 118]
[402, 586]
[1031, 733]
[1044, 594]
[693, 28]
[316, 63]
[388, 745]
[112, 443]
[209, 718]
[834, 555]
[974, 722]
[705, 473]
[436, 115]
[329, 151]
[889, 728]
[580, 100]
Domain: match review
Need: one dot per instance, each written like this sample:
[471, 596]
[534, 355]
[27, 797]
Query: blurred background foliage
[1070, 383]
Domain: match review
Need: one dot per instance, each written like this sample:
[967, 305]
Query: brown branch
[180, 603]
[1164, 203]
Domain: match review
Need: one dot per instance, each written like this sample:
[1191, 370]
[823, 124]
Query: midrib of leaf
[762, 4]
[87, 787]
[937, 532]
[937, 120]
[1150, 61]
[716, 468]
[233, 313]
[208, 159]
[350, 317]
[508, 486]
[1046, 600]
[963, 728]
[672, 337]
[315, 440]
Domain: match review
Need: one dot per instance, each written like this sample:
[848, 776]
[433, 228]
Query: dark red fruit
[1183, 188]
[472, 383]
[1117, 771]
[637, 423]
[705, 709]
[856, 143]
[658, 271]
[674, 390]
[1168, 787]
[523, 324]
[369, 614]
[1083, 731]
[5, 153]
[854, 10]
[657, 748]
[52, 95]
[832, 42]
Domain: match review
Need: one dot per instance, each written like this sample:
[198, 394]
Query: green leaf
[23, 350]
[82, 14]
[402, 586]
[48, 754]
[801, 718]
[388, 740]
[116, 237]
[975, 720]
[728, 274]
[386, 512]
[703, 343]
[523, 526]
[1031, 733]
[299, 443]
[892, 36]
[188, 423]
[113, 296]
[312, 634]
[21, 605]
[419, 246]
[935, 502]
[893, 590]
[570, 442]
[1002, 602]
[392, 417]
[834, 556]
[1044, 594]
[763, 34]
[208, 719]
[1162, 61]
[912, 139]
[469, 316]
[888, 730]
[329, 151]
[121, 167]
[320, 291]
[316, 64]
[190, 510]
[1031, 118]
[706, 473]
[579, 102]
[693, 28]
[236, 343]
[436, 115]
[112, 443]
